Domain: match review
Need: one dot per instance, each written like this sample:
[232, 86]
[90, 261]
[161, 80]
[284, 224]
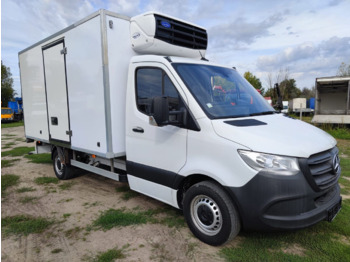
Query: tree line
[288, 87]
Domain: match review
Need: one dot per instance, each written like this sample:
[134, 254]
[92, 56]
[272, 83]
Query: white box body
[93, 76]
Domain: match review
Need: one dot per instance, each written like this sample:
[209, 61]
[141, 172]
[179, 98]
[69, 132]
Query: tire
[205, 203]
[63, 172]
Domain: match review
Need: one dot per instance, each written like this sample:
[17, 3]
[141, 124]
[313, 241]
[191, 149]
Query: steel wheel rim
[58, 165]
[206, 215]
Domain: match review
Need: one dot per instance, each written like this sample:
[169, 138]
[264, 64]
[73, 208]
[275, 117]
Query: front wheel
[210, 213]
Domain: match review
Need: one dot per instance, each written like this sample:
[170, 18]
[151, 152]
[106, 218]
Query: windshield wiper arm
[263, 113]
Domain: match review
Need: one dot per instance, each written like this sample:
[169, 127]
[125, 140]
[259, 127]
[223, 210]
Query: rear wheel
[210, 213]
[62, 171]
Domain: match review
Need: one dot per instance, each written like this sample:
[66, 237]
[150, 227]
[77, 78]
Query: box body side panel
[119, 55]
[85, 87]
[33, 93]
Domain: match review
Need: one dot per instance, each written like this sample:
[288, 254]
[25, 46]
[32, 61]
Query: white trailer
[332, 100]
[135, 100]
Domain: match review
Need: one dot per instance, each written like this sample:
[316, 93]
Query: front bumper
[6, 119]
[275, 202]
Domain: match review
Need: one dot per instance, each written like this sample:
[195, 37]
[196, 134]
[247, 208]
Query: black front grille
[181, 34]
[322, 168]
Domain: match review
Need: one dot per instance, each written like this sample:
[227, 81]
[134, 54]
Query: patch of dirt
[294, 249]
[343, 239]
[74, 210]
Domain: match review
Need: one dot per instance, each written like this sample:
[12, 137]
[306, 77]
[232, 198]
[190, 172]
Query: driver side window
[153, 82]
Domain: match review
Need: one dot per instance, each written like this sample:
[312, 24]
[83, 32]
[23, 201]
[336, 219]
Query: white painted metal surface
[142, 32]
[331, 119]
[119, 55]
[297, 104]
[33, 93]
[56, 92]
[86, 87]
[159, 147]
[157, 191]
[280, 136]
[216, 157]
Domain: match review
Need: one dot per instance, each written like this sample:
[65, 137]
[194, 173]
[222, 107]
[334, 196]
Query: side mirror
[160, 109]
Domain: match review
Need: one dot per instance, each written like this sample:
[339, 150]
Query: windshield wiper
[263, 113]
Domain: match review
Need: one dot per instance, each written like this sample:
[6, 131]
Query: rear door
[56, 91]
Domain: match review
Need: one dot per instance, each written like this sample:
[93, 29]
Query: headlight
[259, 161]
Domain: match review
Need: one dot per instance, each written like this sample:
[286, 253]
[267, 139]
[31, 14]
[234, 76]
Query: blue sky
[310, 37]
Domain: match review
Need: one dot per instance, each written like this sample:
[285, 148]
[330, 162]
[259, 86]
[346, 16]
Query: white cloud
[309, 37]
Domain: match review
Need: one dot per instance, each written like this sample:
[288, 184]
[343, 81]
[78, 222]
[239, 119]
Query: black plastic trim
[153, 174]
[277, 202]
[180, 34]
[245, 122]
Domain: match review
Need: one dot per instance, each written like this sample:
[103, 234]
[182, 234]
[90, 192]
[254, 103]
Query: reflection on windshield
[222, 92]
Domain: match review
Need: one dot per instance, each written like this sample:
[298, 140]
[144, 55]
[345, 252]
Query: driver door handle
[138, 129]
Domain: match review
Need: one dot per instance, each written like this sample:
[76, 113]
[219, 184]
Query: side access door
[155, 154]
[56, 91]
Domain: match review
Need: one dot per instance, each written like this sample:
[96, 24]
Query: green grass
[322, 242]
[40, 158]
[66, 215]
[118, 218]
[73, 232]
[121, 217]
[12, 124]
[8, 181]
[339, 132]
[8, 135]
[110, 255]
[28, 199]
[24, 225]
[173, 218]
[8, 163]
[46, 180]
[56, 250]
[25, 189]
[66, 186]
[127, 192]
[18, 151]
[8, 145]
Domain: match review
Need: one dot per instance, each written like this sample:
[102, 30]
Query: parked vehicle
[135, 100]
[285, 107]
[7, 114]
[332, 100]
[311, 103]
[17, 108]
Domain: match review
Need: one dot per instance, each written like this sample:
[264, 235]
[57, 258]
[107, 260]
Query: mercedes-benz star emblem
[336, 164]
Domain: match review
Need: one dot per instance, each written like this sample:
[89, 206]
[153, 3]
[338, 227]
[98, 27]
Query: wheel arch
[190, 180]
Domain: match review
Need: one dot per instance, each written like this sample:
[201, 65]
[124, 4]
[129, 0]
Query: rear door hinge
[64, 51]
[69, 132]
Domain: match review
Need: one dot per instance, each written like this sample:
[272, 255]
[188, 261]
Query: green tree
[254, 81]
[308, 93]
[290, 89]
[7, 91]
[343, 70]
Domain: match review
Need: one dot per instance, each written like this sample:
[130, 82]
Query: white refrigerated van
[134, 99]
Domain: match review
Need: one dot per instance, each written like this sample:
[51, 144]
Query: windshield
[5, 111]
[222, 92]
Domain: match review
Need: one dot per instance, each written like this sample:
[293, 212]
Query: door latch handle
[138, 130]
[54, 121]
